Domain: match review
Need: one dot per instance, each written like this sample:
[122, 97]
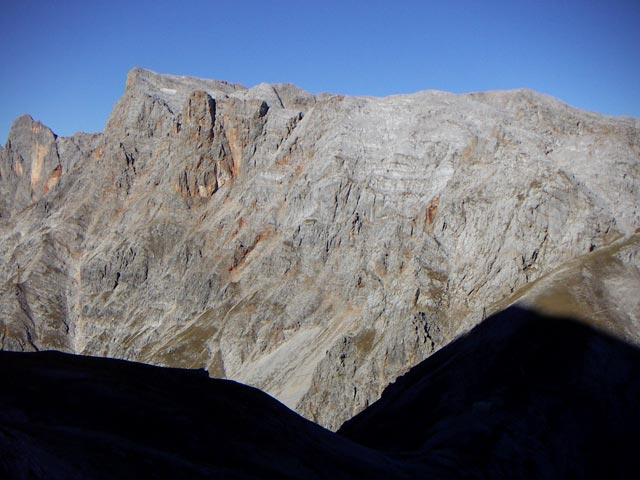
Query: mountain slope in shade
[520, 396]
[64, 416]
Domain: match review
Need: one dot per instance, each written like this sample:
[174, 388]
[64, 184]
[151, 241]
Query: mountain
[314, 246]
[519, 396]
[70, 417]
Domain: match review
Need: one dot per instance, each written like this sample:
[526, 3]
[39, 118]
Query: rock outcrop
[313, 246]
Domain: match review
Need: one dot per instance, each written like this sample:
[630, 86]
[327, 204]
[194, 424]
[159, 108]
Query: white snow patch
[170, 91]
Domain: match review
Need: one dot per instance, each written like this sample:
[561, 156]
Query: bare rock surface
[313, 246]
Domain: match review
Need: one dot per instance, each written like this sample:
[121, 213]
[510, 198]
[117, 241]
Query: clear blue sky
[66, 62]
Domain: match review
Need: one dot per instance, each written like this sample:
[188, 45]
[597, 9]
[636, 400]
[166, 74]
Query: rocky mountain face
[313, 246]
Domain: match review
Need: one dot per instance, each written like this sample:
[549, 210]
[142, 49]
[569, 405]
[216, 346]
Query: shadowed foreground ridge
[520, 396]
[64, 417]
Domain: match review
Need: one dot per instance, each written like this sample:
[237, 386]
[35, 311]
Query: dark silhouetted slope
[65, 416]
[520, 396]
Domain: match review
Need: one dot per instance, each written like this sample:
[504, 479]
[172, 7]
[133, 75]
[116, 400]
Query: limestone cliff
[313, 246]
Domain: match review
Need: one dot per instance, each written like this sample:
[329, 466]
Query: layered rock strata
[313, 246]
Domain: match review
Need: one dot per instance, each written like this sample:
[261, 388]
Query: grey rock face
[313, 246]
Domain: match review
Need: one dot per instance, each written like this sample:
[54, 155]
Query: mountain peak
[315, 246]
